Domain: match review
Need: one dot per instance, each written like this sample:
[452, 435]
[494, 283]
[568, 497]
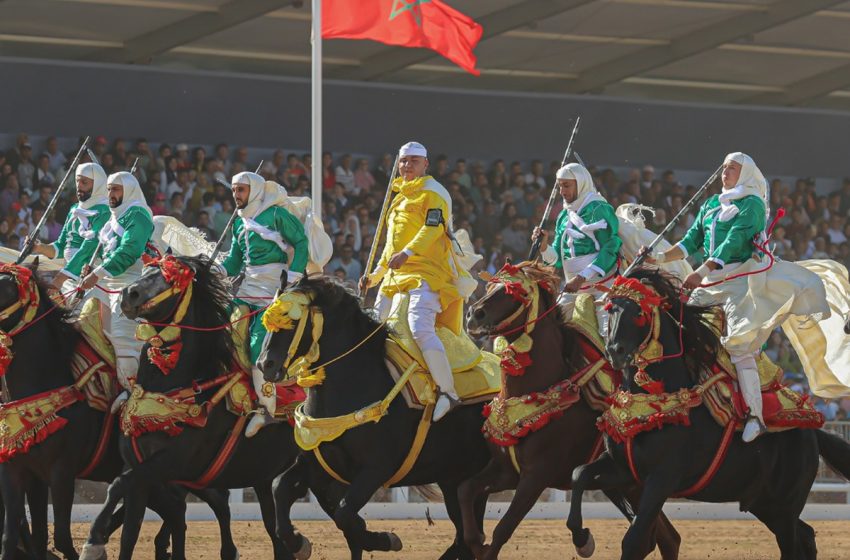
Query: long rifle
[30, 242]
[217, 249]
[535, 247]
[669, 227]
[381, 219]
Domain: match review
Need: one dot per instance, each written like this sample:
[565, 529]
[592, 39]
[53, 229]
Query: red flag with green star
[409, 23]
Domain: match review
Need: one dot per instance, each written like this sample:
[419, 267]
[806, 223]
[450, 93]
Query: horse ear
[35, 264]
[284, 280]
[169, 251]
[508, 260]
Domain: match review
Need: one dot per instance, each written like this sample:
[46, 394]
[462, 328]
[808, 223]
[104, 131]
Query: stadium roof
[767, 52]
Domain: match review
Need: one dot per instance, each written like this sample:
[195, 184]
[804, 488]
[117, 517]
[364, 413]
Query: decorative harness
[291, 310]
[148, 411]
[31, 420]
[631, 414]
[509, 419]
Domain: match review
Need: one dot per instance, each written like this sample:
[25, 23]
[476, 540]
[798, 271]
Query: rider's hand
[89, 281]
[574, 285]
[46, 250]
[398, 260]
[543, 235]
[647, 255]
[364, 283]
[693, 281]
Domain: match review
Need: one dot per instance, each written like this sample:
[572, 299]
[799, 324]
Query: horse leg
[37, 499]
[658, 486]
[287, 489]
[136, 492]
[218, 500]
[12, 486]
[783, 526]
[528, 490]
[267, 509]
[806, 536]
[472, 492]
[62, 491]
[348, 520]
[105, 523]
[458, 550]
[169, 502]
[600, 474]
[664, 534]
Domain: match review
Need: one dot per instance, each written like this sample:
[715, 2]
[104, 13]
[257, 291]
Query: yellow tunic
[431, 260]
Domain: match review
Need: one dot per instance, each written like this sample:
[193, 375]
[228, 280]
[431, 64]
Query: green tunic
[76, 249]
[138, 227]
[730, 241]
[604, 242]
[249, 248]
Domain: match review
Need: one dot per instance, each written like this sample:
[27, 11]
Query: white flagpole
[316, 85]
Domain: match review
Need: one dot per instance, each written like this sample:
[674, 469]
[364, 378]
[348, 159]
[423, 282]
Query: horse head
[633, 309]
[155, 296]
[311, 319]
[511, 295]
[18, 289]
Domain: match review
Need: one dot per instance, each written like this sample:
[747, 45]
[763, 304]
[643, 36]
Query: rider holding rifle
[587, 241]
[756, 295]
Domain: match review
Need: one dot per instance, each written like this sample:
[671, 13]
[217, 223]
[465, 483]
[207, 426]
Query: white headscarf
[751, 182]
[256, 194]
[111, 233]
[586, 189]
[98, 193]
[413, 149]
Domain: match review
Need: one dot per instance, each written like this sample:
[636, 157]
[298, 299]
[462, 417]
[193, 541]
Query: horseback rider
[418, 260]
[267, 240]
[78, 239]
[587, 240]
[123, 241]
[755, 299]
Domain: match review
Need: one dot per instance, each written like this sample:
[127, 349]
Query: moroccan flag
[408, 23]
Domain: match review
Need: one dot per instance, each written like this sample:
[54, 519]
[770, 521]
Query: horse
[190, 297]
[354, 377]
[521, 303]
[60, 443]
[770, 477]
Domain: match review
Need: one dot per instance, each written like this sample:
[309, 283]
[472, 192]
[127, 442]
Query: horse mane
[59, 321]
[212, 303]
[333, 297]
[700, 332]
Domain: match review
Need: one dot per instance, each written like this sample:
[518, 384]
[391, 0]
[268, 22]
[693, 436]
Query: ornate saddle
[95, 352]
[477, 373]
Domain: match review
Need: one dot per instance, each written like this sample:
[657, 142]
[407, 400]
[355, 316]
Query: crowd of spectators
[497, 202]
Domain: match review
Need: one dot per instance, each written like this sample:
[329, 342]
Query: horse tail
[835, 451]
[430, 492]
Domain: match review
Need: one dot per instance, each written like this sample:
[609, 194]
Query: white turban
[751, 182]
[412, 149]
[256, 185]
[133, 195]
[98, 193]
[584, 181]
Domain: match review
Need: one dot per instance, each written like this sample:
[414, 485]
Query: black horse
[43, 348]
[206, 355]
[370, 454]
[771, 477]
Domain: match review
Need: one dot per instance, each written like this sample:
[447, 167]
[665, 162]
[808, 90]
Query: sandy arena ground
[534, 540]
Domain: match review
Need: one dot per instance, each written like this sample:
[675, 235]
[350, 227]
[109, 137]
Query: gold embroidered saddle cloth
[95, 352]
[241, 398]
[477, 374]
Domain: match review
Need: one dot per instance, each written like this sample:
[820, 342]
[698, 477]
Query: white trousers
[120, 330]
[422, 313]
[568, 302]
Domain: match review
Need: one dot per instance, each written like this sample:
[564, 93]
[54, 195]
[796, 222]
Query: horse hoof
[305, 551]
[586, 551]
[395, 542]
[93, 552]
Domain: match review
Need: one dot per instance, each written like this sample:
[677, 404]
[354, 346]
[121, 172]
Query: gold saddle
[477, 373]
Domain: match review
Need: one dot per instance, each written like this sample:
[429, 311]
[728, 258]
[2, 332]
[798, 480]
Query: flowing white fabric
[266, 233]
[96, 173]
[83, 216]
[634, 235]
[584, 182]
[751, 182]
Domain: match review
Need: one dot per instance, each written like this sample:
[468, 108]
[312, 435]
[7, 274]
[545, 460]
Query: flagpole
[316, 85]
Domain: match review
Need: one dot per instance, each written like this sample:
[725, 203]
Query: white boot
[748, 380]
[441, 371]
[265, 415]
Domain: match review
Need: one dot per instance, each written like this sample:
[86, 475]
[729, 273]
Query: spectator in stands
[45, 193]
[26, 168]
[99, 146]
[158, 208]
[55, 155]
[535, 176]
[345, 261]
[364, 181]
[204, 227]
[13, 155]
[43, 174]
[345, 175]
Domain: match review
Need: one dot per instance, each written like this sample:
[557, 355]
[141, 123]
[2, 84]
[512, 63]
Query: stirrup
[453, 404]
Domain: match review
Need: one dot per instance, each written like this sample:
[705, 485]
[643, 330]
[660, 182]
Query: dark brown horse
[521, 303]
